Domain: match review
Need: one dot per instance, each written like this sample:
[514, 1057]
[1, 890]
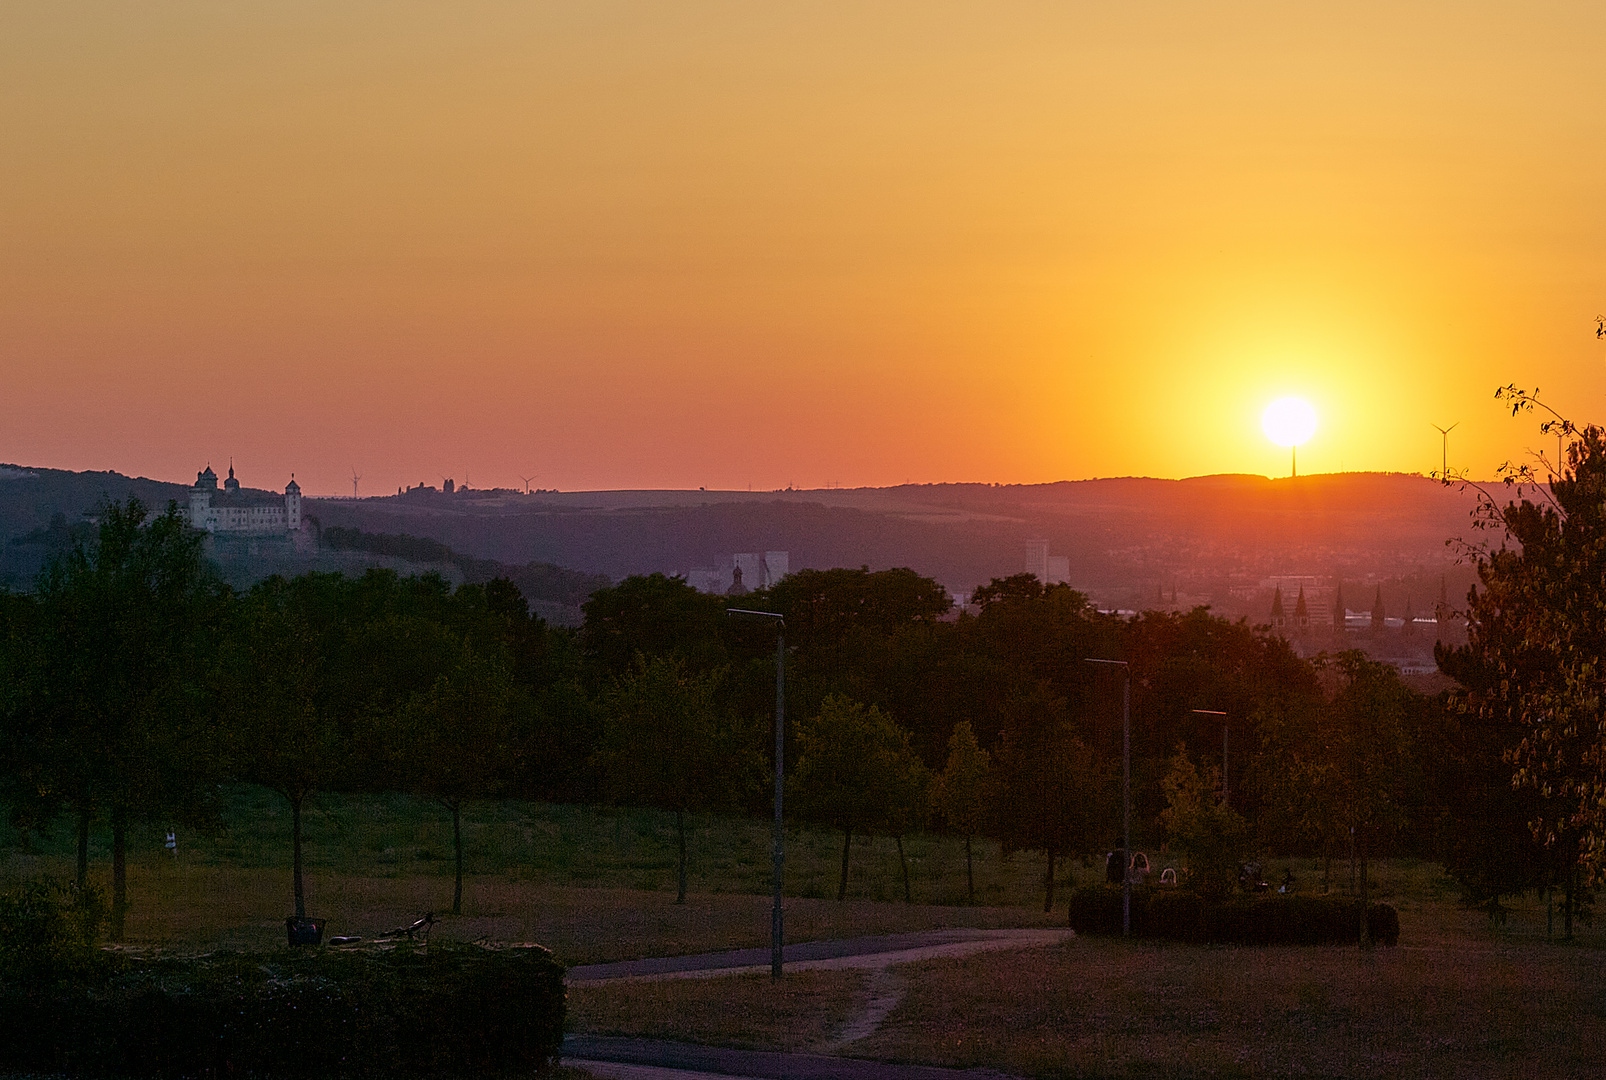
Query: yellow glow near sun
[1288, 421]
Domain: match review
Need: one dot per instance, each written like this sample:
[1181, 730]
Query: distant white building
[748, 572]
[749, 568]
[706, 579]
[1036, 559]
[234, 512]
[1049, 569]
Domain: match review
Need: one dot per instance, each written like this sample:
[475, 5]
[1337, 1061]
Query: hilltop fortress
[234, 512]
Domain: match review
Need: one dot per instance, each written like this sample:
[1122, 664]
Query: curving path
[862, 952]
[652, 1059]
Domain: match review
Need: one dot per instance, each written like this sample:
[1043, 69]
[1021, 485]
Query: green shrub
[48, 932]
[1263, 919]
[449, 1010]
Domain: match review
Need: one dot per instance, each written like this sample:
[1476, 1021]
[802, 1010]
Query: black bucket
[304, 931]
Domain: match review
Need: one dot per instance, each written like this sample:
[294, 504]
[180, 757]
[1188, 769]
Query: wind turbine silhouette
[527, 480]
[354, 479]
[1444, 461]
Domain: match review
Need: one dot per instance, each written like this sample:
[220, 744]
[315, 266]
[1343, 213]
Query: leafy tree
[822, 607]
[457, 741]
[1214, 837]
[667, 743]
[1027, 636]
[961, 793]
[856, 772]
[874, 636]
[1195, 660]
[1536, 635]
[1484, 835]
[292, 715]
[653, 615]
[1044, 781]
[1348, 770]
[23, 789]
[1290, 776]
[120, 718]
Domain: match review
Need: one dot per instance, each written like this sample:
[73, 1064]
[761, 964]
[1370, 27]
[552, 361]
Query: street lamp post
[1216, 712]
[778, 851]
[1126, 792]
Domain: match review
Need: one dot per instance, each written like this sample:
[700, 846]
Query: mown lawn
[1459, 998]
[1104, 1008]
[399, 836]
[594, 884]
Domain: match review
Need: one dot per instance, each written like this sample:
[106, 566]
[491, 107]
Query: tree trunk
[1366, 921]
[1567, 902]
[680, 828]
[82, 879]
[970, 875]
[842, 885]
[905, 864]
[119, 872]
[295, 858]
[457, 848]
[1048, 884]
[1327, 872]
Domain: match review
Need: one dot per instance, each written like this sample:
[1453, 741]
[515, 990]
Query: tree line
[134, 682]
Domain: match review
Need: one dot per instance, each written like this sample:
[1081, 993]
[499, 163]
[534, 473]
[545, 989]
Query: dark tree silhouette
[120, 720]
[856, 772]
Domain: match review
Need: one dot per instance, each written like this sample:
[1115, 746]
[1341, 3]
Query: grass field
[1459, 997]
[594, 884]
[401, 837]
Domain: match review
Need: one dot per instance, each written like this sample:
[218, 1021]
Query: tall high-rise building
[751, 565]
[1036, 561]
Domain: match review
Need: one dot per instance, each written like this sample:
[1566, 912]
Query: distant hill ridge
[537, 581]
[47, 508]
[1203, 536]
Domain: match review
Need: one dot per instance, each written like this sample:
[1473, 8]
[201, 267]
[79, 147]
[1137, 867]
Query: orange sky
[733, 244]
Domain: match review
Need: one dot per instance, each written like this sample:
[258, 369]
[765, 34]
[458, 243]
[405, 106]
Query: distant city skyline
[626, 245]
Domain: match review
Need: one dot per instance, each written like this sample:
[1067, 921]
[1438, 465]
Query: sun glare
[1288, 421]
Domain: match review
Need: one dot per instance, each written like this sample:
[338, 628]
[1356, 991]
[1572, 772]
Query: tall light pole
[778, 851]
[1215, 712]
[1126, 792]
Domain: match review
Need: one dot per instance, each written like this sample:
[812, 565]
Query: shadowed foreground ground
[1466, 1000]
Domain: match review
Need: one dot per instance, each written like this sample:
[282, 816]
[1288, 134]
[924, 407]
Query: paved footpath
[862, 952]
[654, 1059]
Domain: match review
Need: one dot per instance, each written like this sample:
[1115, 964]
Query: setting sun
[1289, 421]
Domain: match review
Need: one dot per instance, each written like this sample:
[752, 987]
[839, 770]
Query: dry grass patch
[1101, 1008]
[588, 926]
[404, 838]
[183, 906]
[747, 1011]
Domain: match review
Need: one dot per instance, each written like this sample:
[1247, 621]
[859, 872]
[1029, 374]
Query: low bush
[448, 1010]
[1263, 919]
[48, 931]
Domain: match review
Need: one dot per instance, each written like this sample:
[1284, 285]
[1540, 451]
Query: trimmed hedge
[448, 1010]
[1259, 919]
